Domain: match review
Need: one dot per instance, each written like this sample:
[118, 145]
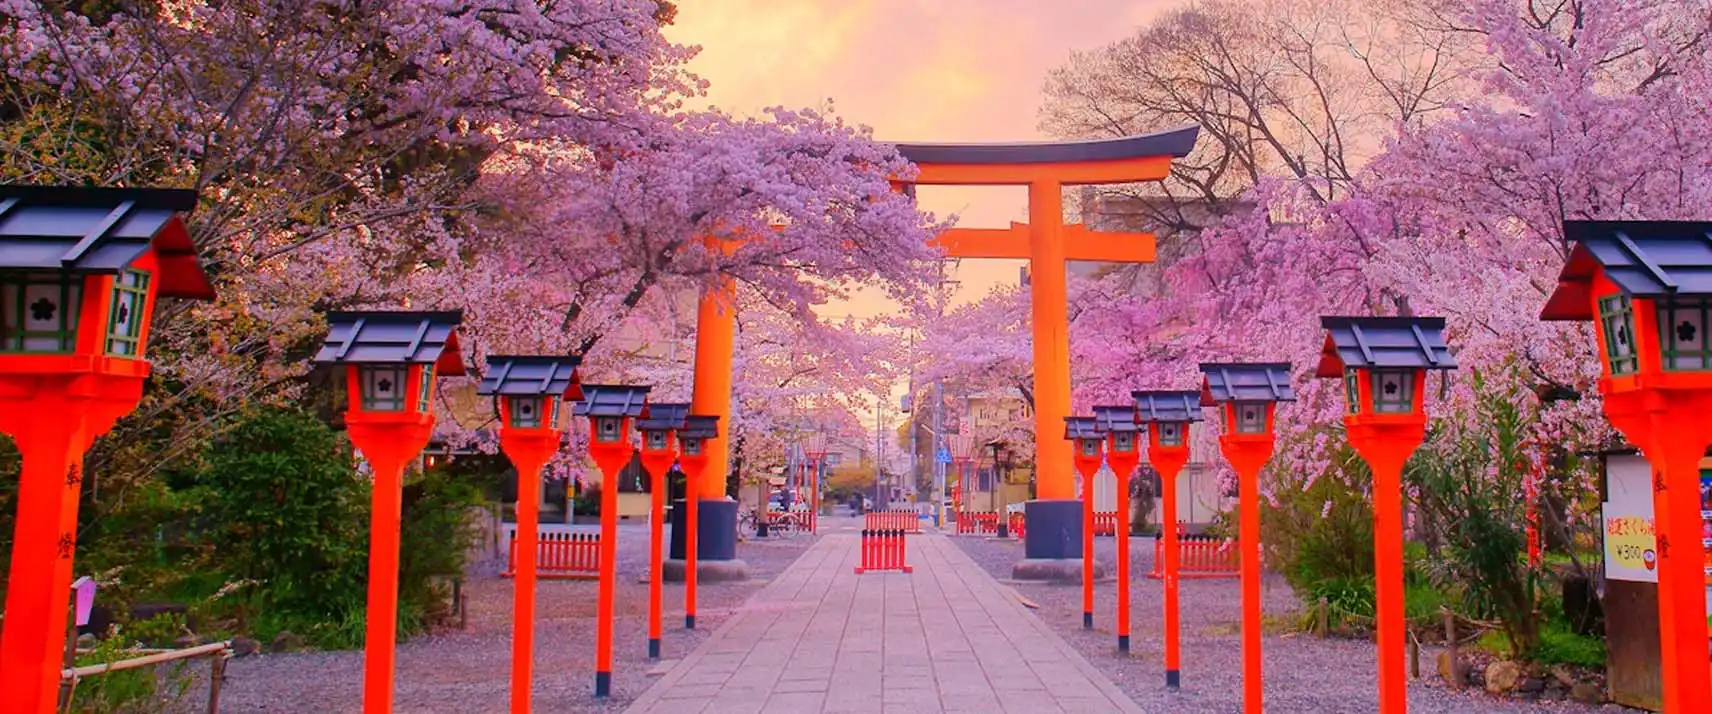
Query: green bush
[132, 691]
[1558, 645]
[435, 536]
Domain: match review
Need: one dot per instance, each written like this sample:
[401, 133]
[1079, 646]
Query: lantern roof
[612, 400]
[394, 337]
[1245, 382]
[530, 375]
[1152, 406]
[699, 426]
[1644, 258]
[1380, 342]
[1081, 427]
[102, 230]
[1116, 418]
[669, 416]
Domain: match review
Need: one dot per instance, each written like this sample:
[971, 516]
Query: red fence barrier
[1198, 557]
[1105, 523]
[561, 555]
[973, 522]
[883, 550]
[1018, 526]
[907, 521]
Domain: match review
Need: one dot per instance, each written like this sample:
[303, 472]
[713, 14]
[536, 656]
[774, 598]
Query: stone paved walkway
[946, 638]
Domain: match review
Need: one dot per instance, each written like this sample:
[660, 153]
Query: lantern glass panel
[425, 390]
[382, 387]
[691, 446]
[1352, 390]
[1682, 327]
[1250, 418]
[38, 312]
[1123, 442]
[1170, 433]
[1617, 321]
[527, 412]
[1090, 447]
[609, 430]
[654, 439]
[125, 317]
[1393, 391]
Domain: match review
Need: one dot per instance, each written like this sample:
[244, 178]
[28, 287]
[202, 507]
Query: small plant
[132, 691]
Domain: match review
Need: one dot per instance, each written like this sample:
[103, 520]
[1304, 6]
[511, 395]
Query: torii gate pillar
[1053, 545]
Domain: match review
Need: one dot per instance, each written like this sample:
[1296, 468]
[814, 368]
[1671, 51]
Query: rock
[1445, 670]
[86, 641]
[1502, 676]
[1587, 693]
[245, 646]
[1564, 675]
[186, 640]
[1531, 685]
[286, 641]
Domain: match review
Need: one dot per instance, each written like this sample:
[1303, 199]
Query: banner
[1630, 546]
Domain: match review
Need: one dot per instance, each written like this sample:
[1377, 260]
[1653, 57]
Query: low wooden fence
[561, 555]
[883, 550]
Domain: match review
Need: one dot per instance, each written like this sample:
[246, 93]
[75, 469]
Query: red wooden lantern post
[80, 270]
[611, 411]
[1123, 454]
[390, 361]
[1645, 282]
[659, 452]
[1167, 415]
[1088, 455]
[1383, 362]
[814, 447]
[1247, 395]
[698, 429]
[528, 393]
[962, 448]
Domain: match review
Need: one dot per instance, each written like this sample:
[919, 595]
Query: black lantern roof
[1119, 418]
[699, 426]
[612, 400]
[1246, 382]
[1368, 342]
[665, 417]
[101, 230]
[530, 375]
[1644, 258]
[1153, 406]
[1078, 427]
[394, 338]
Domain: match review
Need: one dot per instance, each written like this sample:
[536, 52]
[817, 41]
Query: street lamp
[1642, 286]
[659, 430]
[390, 361]
[527, 392]
[1247, 395]
[1088, 443]
[1167, 416]
[1383, 362]
[1123, 453]
[962, 447]
[80, 271]
[611, 410]
[698, 429]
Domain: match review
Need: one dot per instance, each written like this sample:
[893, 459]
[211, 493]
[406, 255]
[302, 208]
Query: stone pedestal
[716, 543]
[1052, 547]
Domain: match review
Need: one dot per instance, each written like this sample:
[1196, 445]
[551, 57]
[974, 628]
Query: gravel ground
[1303, 673]
[468, 671]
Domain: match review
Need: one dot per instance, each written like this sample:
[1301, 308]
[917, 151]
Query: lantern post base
[707, 571]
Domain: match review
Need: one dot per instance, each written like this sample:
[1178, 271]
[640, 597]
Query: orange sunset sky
[914, 70]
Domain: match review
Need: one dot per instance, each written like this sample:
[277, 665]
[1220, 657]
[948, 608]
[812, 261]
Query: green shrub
[435, 537]
[133, 691]
[1558, 645]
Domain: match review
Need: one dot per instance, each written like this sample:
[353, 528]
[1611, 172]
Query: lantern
[658, 429]
[390, 359]
[1088, 439]
[1167, 415]
[611, 410]
[1247, 395]
[1383, 362]
[1643, 286]
[1117, 423]
[692, 442]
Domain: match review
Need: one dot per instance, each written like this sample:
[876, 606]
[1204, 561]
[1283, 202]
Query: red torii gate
[1048, 244]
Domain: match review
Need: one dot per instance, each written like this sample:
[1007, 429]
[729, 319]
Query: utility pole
[939, 444]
